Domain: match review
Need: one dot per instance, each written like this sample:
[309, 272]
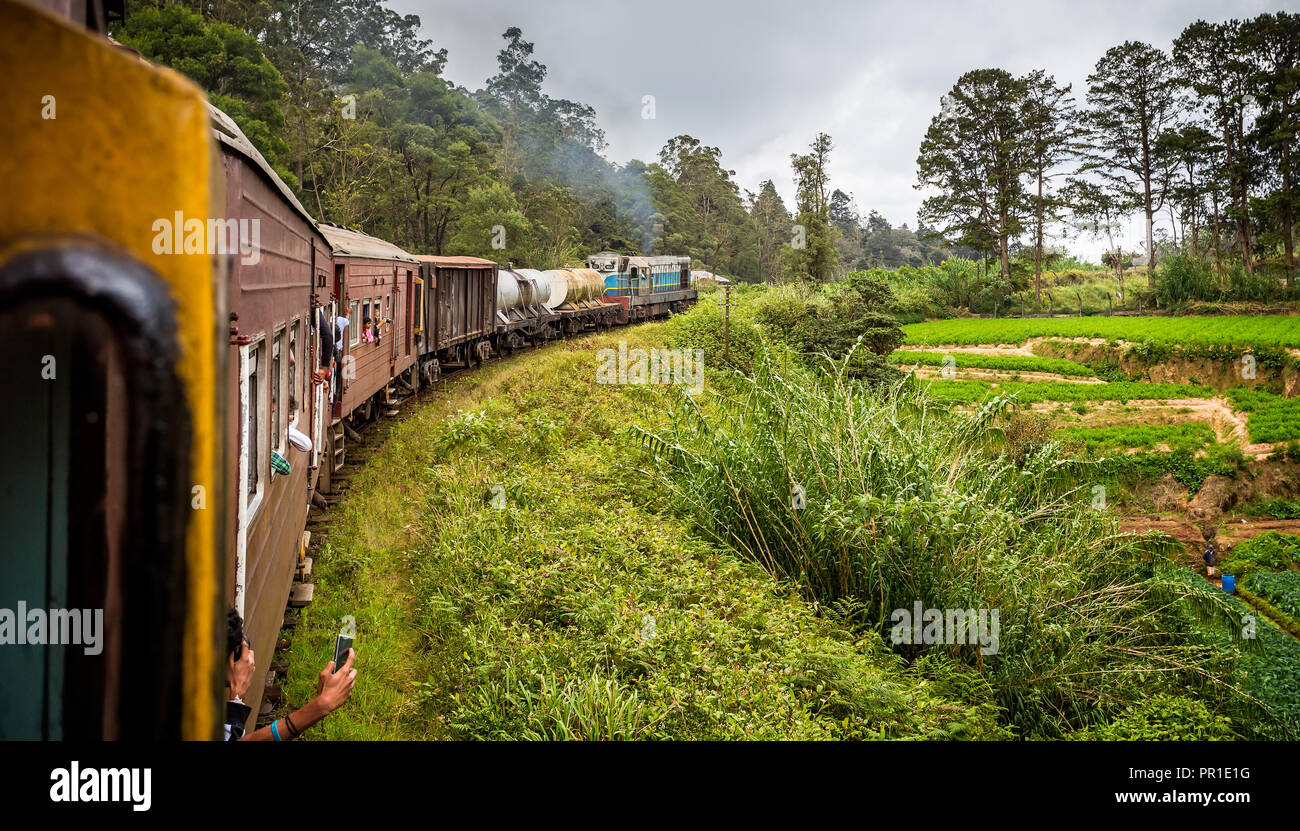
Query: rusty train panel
[271, 293]
[459, 310]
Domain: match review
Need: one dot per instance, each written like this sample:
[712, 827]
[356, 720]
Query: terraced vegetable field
[1272, 417]
[1146, 436]
[1228, 330]
[1028, 392]
[994, 356]
[1280, 588]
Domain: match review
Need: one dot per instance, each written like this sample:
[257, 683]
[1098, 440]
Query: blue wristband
[275, 730]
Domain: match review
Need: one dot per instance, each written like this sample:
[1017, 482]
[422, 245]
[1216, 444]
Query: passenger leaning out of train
[325, 347]
[332, 689]
[340, 329]
[368, 330]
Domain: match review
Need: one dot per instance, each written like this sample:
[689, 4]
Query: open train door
[408, 320]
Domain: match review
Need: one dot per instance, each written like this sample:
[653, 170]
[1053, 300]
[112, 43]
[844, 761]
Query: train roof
[642, 261]
[227, 133]
[453, 262]
[351, 243]
[658, 259]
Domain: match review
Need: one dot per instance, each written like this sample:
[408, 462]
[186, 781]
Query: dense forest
[349, 104]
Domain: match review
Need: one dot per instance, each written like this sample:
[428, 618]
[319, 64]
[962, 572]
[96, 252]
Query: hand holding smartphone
[342, 643]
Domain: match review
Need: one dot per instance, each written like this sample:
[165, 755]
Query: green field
[579, 608]
[1270, 551]
[1026, 392]
[1280, 588]
[614, 596]
[1228, 330]
[1145, 436]
[1272, 417]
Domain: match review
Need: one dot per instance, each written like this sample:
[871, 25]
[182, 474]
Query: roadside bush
[703, 328]
[789, 313]
[1181, 278]
[1026, 433]
[1275, 508]
[1260, 286]
[1168, 718]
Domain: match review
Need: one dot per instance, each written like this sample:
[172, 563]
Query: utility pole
[726, 318]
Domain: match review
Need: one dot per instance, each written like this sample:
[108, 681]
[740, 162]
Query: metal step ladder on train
[338, 441]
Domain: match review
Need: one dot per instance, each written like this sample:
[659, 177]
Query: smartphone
[341, 646]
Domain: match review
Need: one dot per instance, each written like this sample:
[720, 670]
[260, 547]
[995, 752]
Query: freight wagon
[458, 312]
[523, 317]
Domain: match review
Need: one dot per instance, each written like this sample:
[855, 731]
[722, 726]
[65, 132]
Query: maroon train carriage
[272, 298]
[457, 313]
[376, 282]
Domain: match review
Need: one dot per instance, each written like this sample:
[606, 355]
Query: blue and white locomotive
[646, 287]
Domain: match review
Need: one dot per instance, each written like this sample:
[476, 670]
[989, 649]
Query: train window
[273, 387]
[295, 360]
[355, 327]
[253, 404]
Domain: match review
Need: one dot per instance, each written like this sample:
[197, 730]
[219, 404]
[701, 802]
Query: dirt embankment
[1218, 374]
[1165, 505]
[1228, 424]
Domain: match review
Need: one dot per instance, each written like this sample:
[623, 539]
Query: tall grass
[905, 501]
[576, 607]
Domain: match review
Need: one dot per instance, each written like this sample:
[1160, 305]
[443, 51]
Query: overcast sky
[760, 79]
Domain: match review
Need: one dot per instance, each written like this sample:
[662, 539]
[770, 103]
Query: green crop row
[1275, 508]
[1270, 551]
[1240, 330]
[1191, 437]
[1188, 469]
[1267, 665]
[1013, 363]
[1280, 588]
[1272, 417]
[967, 392]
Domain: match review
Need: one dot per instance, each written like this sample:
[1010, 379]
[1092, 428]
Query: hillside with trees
[1196, 140]
[351, 108]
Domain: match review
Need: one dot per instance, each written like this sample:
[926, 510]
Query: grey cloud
[760, 78]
